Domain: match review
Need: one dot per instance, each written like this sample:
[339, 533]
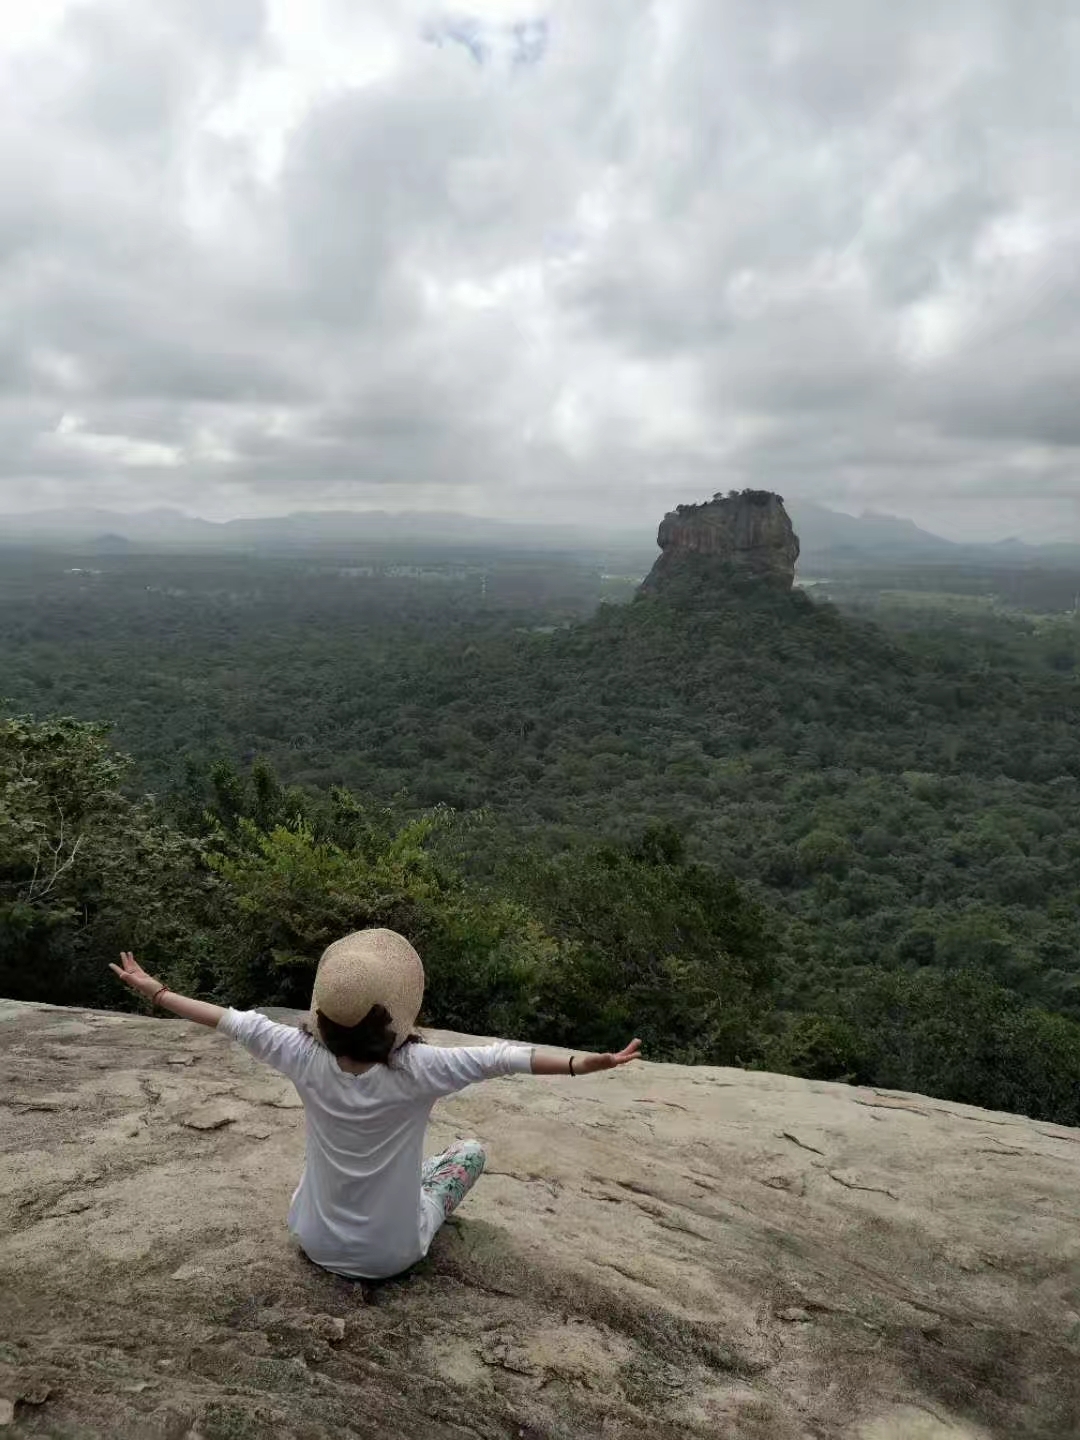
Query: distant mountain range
[830, 537]
[827, 537]
[821, 529]
[825, 533]
[172, 529]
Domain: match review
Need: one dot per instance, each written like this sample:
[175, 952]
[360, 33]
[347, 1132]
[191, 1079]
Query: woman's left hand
[131, 973]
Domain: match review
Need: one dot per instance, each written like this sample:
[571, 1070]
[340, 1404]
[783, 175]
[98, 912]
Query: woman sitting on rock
[368, 1205]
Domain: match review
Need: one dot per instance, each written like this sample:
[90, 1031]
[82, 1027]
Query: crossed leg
[448, 1178]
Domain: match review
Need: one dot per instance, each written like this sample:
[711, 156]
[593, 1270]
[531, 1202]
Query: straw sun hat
[366, 968]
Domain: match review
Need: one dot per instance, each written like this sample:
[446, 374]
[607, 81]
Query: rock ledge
[671, 1253]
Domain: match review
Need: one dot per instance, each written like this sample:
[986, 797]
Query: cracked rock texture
[744, 536]
[668, 1253]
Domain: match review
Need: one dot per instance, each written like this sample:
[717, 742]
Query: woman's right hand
[590, 1064]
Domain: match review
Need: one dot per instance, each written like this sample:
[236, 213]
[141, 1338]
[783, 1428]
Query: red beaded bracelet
[154, 997]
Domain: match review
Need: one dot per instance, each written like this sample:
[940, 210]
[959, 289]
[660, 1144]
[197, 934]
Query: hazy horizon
[549, 263]
[623, 532]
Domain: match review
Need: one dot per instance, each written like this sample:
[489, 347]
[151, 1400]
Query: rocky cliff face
[744, 536]
[669, 1252]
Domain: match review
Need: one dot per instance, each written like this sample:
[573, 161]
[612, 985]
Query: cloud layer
[562, 261]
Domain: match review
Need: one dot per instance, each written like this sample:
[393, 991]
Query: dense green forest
[752, 827]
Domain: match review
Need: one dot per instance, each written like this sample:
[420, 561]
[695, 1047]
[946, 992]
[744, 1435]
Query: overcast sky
[563, 260]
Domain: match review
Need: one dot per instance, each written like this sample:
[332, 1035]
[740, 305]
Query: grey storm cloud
[548, 260]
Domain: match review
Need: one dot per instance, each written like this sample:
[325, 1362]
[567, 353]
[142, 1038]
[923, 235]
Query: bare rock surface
[668, 1252]
[746, 535]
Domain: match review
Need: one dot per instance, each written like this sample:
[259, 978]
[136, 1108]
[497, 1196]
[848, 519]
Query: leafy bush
[585, 947]
[960, 1037]
[819, 1047]
[84, 871]
[655, 946]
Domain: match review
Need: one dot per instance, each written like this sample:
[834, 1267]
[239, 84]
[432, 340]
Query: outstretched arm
[545, 1063]
[132, 974]
[442, 1070]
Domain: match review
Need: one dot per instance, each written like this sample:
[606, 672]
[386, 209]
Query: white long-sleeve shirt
[359, 1209]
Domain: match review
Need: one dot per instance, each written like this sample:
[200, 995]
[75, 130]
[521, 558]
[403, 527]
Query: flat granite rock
[669, 1252]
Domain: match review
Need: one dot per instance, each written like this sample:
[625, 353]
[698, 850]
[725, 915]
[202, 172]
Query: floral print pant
[448, 1178]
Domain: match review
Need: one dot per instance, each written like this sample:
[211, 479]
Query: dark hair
[369, 1041]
